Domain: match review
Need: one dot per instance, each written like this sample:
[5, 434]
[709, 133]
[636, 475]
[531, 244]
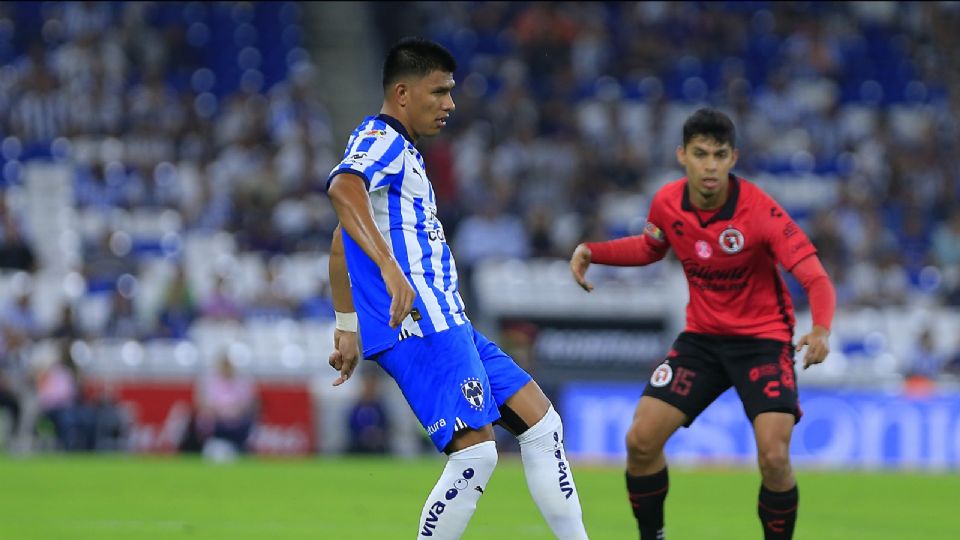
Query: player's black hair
[418, 57]
[712, 124]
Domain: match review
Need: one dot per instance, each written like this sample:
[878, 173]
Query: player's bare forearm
[346, 351]
[352, 204]
[350, 200]
[339, 280]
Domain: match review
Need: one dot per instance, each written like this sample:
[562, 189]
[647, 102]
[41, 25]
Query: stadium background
[162, 201]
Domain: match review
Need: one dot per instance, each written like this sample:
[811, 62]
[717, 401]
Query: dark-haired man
[411, 316]
[729, 236]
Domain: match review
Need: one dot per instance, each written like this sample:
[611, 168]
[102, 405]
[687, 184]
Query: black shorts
[700, 367]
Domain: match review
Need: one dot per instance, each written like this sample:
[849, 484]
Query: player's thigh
[654, 421]
[773, 431]
[690, 378]
[444, 381]
[524, 408]
[465, 438]
[520, 399]
[763, 373]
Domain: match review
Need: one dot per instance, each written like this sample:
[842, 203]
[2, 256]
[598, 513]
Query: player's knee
[774, 462]
[641, 447]
[483, 454]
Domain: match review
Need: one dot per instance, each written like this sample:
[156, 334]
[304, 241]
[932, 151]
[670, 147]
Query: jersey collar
[395, 124]
[726, 212]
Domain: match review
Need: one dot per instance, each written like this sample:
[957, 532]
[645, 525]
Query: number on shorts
[682, 381]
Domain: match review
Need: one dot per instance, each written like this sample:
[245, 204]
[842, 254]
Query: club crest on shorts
[662, 375]
[473, 392]
[731, 240]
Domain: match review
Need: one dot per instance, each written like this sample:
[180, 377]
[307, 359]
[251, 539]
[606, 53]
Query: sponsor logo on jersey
[473, 392]
[653, 232]
[731, 240]
[789, 229]
[375, 133]
[709, 273]
[704, 251]
[435, 427]
[662, 375]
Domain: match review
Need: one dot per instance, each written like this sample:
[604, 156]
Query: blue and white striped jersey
[405, 211]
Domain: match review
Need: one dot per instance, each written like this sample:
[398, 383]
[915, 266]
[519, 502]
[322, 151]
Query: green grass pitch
[131, 497]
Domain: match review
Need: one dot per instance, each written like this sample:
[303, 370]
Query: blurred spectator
[15, 251]
[369, 425]
[925, 361]
[112, 421]
[60, 396]
[10, 381]
[490, 233]
[16, 383]
[101, 186]
[41, 112]
[946, 241]
[178, 310]
[220, 304]
[18, 312]
[66, 327]
[122, 321]
[106, 260]
[272, 301]
[226, 404]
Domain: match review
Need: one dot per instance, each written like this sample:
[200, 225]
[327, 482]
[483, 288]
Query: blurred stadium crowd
[191, 148]
[569, 113]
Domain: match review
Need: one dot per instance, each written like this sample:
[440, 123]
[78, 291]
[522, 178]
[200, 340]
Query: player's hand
[579, 263]
[345, 355]
[817, 346]
[401, 293]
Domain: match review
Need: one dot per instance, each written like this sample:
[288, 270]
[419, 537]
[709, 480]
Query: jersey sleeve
[641, 250]
[653, 230]
[786, 239]
[376, 156]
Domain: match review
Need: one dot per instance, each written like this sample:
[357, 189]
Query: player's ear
[733, 157]
[401, 93]
[681, 156]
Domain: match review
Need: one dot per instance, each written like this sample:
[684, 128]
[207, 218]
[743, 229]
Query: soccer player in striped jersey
[730, 237]
[394, 278]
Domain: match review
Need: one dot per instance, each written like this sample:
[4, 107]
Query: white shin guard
[550, 479]
[454, 498]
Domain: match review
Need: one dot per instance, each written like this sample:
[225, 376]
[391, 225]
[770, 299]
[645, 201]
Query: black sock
[778, 512]
[647, 494]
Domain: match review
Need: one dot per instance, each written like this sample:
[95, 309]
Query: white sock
[454, 498]
[550, 479]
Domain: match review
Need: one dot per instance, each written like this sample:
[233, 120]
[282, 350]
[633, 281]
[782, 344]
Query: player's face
[707, 163]
[429, 103]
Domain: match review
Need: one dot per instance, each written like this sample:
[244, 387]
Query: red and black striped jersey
[730, 258]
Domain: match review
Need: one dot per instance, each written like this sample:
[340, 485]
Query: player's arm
[794, 251]
[348, 193]
[823, 302]
[346, 349]
[640, 250]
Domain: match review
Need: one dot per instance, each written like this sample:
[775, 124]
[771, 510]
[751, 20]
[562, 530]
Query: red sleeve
[629, 251]
[823, 301]
[641, 250]
[787, 241]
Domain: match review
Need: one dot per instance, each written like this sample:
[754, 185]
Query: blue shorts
[453, 379]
